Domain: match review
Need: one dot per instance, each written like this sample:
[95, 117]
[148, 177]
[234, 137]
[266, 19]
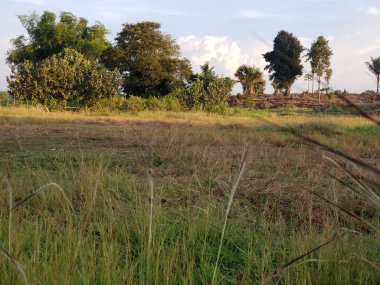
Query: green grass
[101, 164]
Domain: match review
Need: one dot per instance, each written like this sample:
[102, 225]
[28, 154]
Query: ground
[106, 166]
[331, 103]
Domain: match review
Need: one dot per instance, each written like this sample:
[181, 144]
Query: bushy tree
[319, 56]
[284, 61]
[46, 36]
[374, 68]
[252, 80]
[205, 89]
[148, 59]
[66, 78]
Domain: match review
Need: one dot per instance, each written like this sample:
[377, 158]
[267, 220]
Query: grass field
[148, 194]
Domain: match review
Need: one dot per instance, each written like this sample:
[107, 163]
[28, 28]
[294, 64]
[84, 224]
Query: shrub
[4, 98]
[221, 109]
[248, 102]
[115, 103]
[155, 104]
[64, 79]
[171, 103]
[134, 104]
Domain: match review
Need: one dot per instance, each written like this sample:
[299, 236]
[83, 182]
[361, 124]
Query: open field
[101, 163]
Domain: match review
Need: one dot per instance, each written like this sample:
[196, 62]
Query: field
[145, 196]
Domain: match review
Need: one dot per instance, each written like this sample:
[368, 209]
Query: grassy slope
[101, 163]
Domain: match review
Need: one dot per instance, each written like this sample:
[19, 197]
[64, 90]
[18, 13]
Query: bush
[171, 103]
[64, 79]
[248, 102]
[134, 104]
[221, 109]
[155, 104]
[110, 104]
[4, 98]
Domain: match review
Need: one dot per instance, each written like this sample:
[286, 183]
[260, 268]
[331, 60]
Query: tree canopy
[284, 61]
[47, 36]
[252, 80]
[64, 79]
[148, 59]
[319, 56]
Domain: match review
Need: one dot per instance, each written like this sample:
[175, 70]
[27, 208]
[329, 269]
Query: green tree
[64, 79]
[284, 61]
[148, 60]
[47, 36]
[308, 77]
[251, 78]
[319, 56]
[205, 89]
[374, 68]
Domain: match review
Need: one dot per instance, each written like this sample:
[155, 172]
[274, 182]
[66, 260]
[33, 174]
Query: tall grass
[125, 229]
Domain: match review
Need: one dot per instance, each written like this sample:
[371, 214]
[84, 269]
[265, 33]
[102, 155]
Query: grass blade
[230, 200]
[280, 269]
[40, 190]
[363, 222]
[15, 263]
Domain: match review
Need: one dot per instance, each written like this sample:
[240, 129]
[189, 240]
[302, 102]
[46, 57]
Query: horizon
[230, 35]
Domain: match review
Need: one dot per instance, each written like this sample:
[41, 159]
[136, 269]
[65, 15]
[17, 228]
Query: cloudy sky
[230, 33]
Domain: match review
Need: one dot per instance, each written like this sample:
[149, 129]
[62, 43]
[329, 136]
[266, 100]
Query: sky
[230, 33]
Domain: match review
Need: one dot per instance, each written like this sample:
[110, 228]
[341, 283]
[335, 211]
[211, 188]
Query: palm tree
[251, 78]
[308, 77]
[374, 67]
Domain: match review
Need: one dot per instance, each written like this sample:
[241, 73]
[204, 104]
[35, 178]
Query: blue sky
[231, 33]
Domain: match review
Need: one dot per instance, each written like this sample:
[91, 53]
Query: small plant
[249, 102]
[221, 109]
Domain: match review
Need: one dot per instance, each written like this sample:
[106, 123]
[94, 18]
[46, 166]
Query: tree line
[63, 61]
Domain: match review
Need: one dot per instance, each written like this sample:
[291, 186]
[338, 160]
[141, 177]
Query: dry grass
[112, 237]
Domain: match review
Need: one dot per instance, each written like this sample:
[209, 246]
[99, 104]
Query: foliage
[251, 78]
[248, 102]
[4, 98]
[374, 68]
[205, 89]
[221, 109]
[154, 104]
[170, 103]
[319, 56]
[134, 104]
[284, 62]
[148, 59]
[47, 36]
[64, 79]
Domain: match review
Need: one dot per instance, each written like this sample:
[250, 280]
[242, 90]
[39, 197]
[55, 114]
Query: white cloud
[373, 11]
[254, 14]
[225, 54]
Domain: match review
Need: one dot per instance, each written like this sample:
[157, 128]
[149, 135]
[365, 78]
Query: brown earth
[307, 101]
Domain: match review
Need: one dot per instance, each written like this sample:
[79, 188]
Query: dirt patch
[306, 101]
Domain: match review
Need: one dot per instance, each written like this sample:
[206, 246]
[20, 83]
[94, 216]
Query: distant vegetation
[64, 62]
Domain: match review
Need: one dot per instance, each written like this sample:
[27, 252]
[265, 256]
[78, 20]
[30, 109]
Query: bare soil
[307, 101]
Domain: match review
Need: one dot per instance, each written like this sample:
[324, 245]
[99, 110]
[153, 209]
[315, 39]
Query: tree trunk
[308, 86]
[378, 82]
[312, 86]
[319, 88]
[288, 90]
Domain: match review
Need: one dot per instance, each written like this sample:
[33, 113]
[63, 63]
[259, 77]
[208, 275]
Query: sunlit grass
[119, 233]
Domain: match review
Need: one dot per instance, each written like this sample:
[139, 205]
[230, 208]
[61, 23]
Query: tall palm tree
[251, 78]
[308, 77]
[374, 67]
